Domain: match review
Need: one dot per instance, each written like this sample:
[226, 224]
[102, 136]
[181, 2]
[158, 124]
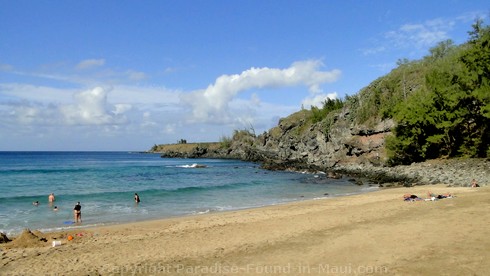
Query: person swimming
[136, 198]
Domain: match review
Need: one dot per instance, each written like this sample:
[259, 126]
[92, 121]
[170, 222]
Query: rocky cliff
[336, 146]
[324, 145]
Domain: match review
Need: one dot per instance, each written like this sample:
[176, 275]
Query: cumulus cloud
[211, 104]
[91, 108]
[88, 107]
[90, 63]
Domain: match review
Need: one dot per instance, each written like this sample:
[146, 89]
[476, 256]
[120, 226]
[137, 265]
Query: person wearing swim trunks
[77, 212]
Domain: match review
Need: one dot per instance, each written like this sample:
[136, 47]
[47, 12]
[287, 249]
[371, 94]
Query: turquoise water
[105, 183]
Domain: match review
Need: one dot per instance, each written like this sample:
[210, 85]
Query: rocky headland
[340, 149]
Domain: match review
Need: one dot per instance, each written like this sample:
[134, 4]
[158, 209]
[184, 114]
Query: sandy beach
[375, 233]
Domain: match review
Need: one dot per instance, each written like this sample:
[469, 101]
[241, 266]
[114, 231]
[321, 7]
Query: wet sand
[375, 233]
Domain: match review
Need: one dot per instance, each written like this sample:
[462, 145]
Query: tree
[442, 49]
[451, 115]
[478, 30]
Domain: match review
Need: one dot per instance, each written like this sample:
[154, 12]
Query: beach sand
[368, 234]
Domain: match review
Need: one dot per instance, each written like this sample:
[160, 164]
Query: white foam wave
[195, 165]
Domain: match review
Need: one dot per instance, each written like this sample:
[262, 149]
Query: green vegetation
[185, 147]
[329, 105]
[440, 104]
[243, 136]
[225, 142]
[449, 114]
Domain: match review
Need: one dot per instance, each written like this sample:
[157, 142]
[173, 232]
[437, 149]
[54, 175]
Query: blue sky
[125, 75]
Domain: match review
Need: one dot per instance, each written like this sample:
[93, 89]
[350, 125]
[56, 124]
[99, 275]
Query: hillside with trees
[437, 107]
[440, 104]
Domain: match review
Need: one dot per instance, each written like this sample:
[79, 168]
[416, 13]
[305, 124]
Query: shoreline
[375, 231]
[78, 227]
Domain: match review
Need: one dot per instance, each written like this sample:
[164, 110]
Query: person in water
[55, 208]
[35, 203]
[136, 198]
[77, 212]
[51, 198]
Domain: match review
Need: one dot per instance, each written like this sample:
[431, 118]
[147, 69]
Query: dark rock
[4, 238]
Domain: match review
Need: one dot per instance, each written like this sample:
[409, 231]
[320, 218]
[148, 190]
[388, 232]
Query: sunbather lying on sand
[409, 197]
[434, 196]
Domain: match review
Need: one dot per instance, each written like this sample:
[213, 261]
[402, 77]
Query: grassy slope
[186, 148]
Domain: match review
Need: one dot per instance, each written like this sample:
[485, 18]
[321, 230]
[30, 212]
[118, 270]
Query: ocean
[105, 184]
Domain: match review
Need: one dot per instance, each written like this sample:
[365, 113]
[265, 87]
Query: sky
[126, 75]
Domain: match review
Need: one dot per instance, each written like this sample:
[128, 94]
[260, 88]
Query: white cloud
[153, 114]
[317, 99]
[50, 107]
[90, 63]
[421, 35]
[374, 50]
[33, 93]
[121, 108]
[170, 129]
[472, 16]
[91, 108]
[153, 95]
[212, 104]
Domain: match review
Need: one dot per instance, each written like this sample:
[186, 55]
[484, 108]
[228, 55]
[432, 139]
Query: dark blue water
[105, 183]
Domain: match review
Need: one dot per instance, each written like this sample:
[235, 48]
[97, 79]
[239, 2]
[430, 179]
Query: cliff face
[338, 148]
[297, 144]
[322, 146]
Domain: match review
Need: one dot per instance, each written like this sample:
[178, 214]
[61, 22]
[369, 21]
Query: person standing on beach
[474, 184]
[136, 198]
[77, 212]
[51, 198]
